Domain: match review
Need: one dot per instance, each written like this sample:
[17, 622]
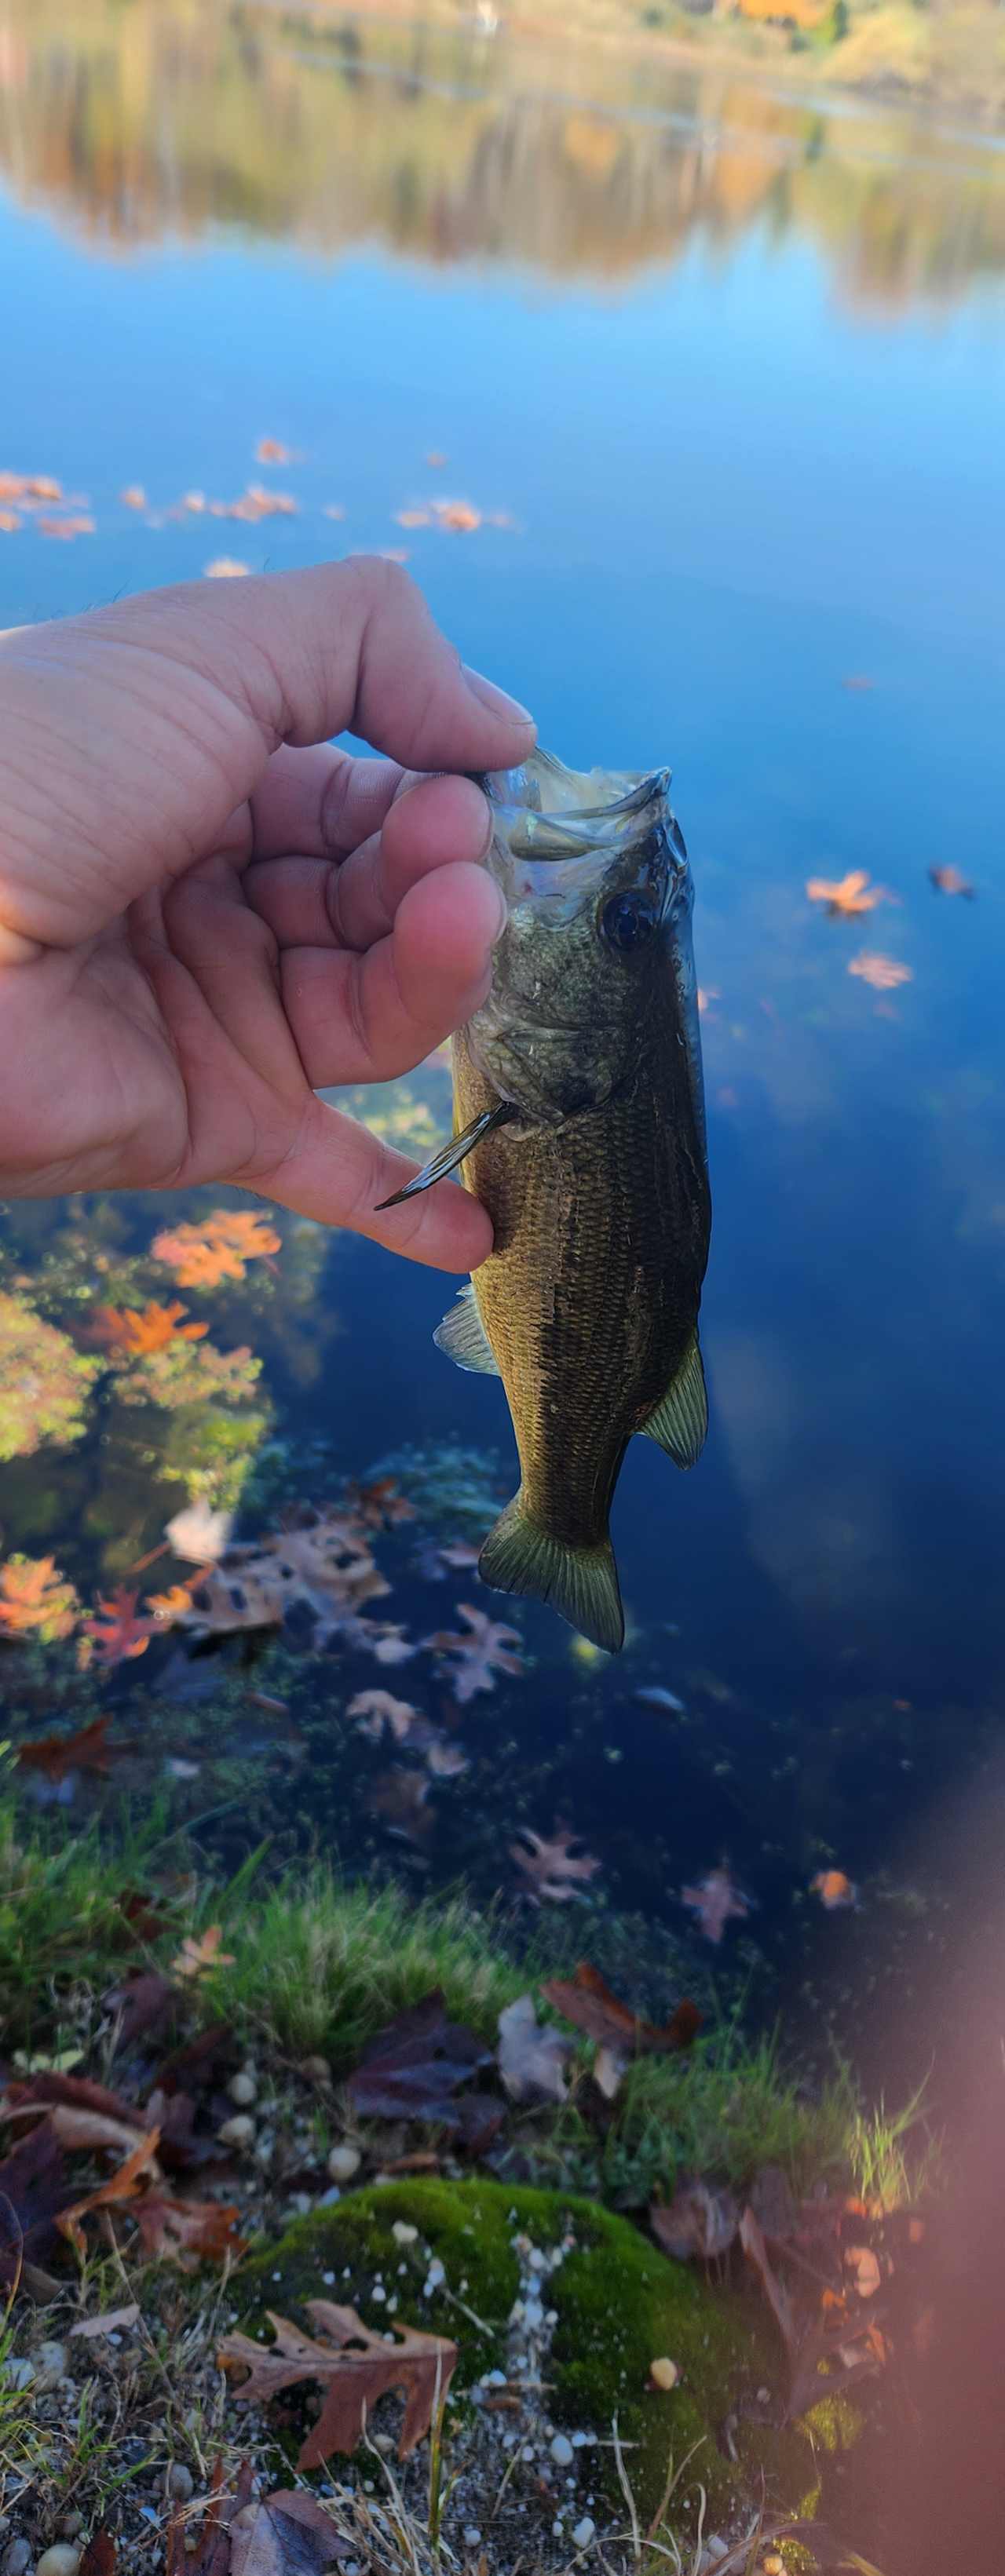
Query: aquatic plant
[44, 1381]
[35, 1600]
[177, 1371]
[219, 1248]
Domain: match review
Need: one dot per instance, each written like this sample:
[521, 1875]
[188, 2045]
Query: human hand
[206, 910]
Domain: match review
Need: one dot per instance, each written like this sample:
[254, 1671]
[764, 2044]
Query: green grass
[318, 1966]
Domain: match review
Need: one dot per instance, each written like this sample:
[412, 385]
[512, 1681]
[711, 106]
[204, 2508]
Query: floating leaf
[355, 2366]
[849, 895]
[133, 497]
[716, 1901]
[200, 1533]
[834, 1889]
[270, 451]
[66, 529]
[883, 973]
[225, 568]
[950, 881]
[553, 1867]
[376, 1710]
[459, 516]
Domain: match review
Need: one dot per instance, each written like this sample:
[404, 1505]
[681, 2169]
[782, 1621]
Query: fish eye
[628, 920]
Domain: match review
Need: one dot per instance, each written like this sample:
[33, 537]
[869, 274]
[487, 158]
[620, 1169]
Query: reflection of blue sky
[732, 494]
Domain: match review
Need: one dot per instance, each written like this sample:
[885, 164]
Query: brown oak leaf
[356, 2368]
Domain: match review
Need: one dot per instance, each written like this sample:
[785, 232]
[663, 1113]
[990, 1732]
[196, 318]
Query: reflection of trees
[152, 119]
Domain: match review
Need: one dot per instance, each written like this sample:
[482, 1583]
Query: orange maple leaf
[139, 1330]
[34, 1599]
[117, 1635]
[849, 895]
[167, 1606]
[202, 1255]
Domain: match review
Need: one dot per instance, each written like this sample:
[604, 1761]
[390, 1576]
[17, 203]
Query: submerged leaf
[587, 2001]
[716, 1901]
[219, 1248]
[488, 1648]
[849, 895]
[57, 1755]
[883, 973]
[116, 1633]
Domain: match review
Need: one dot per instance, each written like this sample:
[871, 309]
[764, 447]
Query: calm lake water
[722, 372]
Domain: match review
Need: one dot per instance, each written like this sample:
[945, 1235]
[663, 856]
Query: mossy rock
[620, 2303]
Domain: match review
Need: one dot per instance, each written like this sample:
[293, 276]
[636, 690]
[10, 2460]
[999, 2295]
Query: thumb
[131, 734]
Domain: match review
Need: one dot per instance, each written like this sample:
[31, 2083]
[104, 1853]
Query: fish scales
[586, 1312]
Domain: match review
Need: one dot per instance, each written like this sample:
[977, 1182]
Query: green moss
[619, 2305]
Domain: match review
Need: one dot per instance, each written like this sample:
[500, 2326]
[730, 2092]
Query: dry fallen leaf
[884, 973]
[532, 2057]
[114, 2321]
[122, 2185]
[187, 2231]
[355, 2366]
[862, 2262]
[698, 2222]
[285, 2534]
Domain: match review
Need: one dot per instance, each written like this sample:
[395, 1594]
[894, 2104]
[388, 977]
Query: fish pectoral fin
[463, 1337]
[451, 1155]
[679, 1422]
[581, 1583]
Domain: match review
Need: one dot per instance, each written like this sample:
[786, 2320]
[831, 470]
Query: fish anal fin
[680, 1420]
[581, 1583]
[463, 1337]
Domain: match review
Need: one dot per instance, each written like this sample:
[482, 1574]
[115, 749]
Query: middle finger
[316, 903]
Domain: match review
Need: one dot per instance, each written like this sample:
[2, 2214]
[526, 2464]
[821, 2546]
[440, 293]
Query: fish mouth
[558, 832]
[547, 812]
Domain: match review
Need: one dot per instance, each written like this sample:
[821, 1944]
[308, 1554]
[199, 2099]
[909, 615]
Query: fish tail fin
[581, 1583]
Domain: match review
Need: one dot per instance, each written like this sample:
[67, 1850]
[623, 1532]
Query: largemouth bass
[580, 1115]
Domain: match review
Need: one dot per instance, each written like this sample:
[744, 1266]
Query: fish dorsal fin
[679, 1422]
[463, 1337]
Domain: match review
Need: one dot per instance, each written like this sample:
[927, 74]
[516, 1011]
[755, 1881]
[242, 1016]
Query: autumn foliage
[219, 1248]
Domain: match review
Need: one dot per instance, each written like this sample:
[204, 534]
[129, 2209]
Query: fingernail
[503, 915]
[496, 701]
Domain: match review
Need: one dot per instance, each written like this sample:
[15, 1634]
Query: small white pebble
[561, 2451]
[585, 2531]
[277, 2276]
[435, 2276]
[19, 2374]
[328, 2279]
[533, 2316]
[61, 2560]
[243, 2088]
[343, 2162]
[472, 2535]
[403, 2234]
[378, 2294]
[528, 2452]
[493, 2379]
[237, 2132]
